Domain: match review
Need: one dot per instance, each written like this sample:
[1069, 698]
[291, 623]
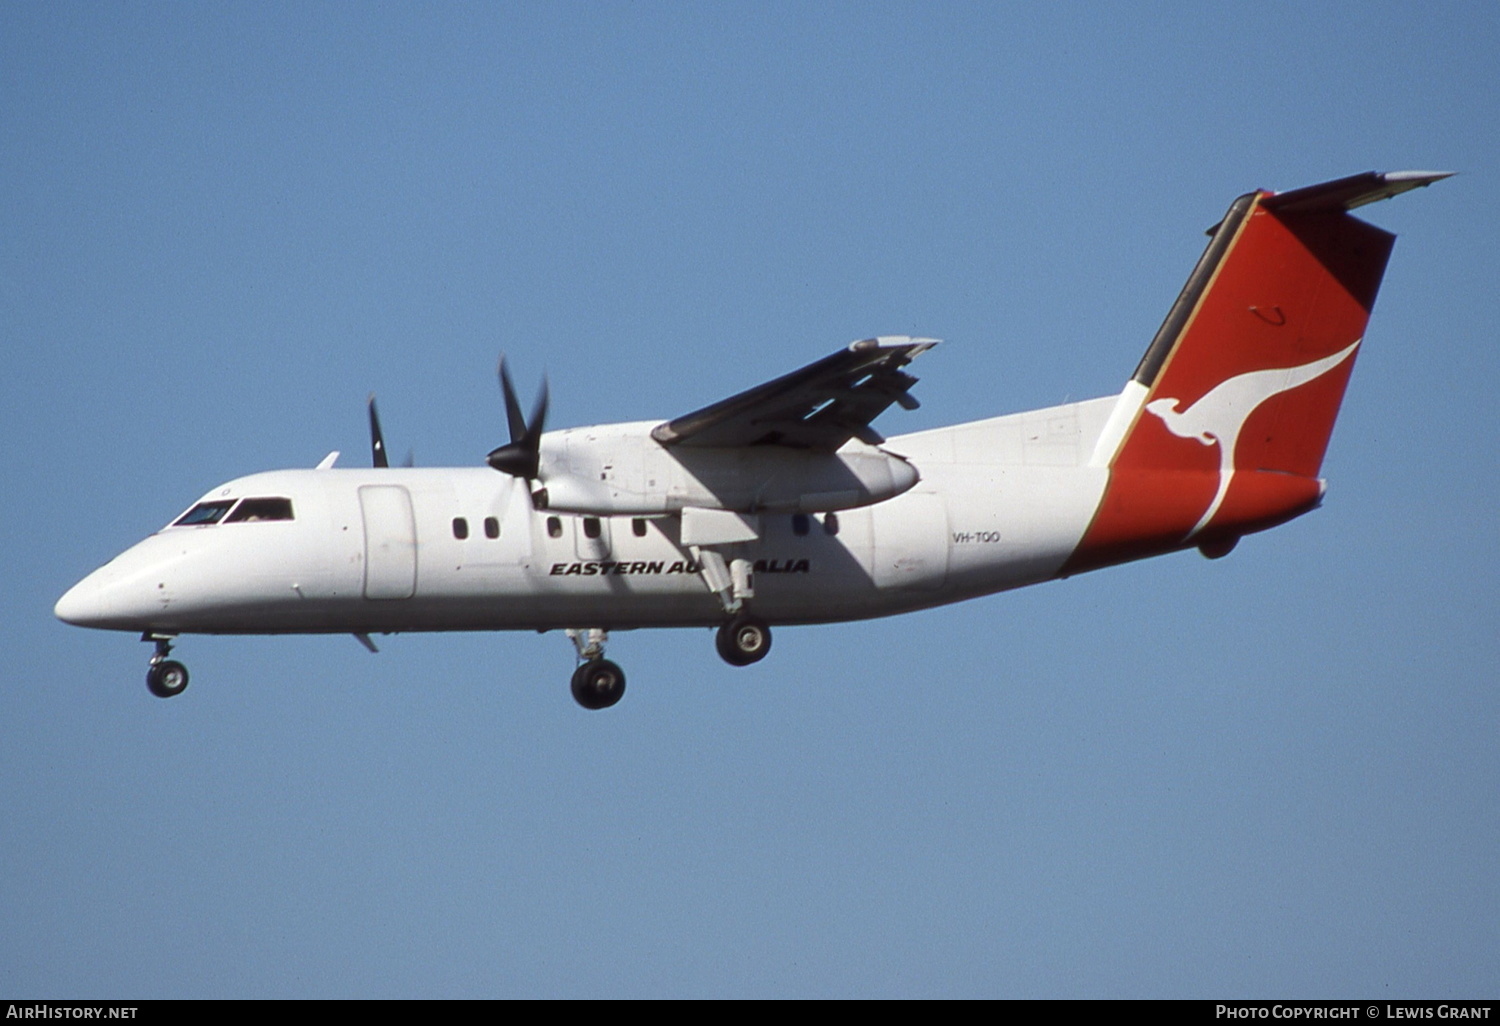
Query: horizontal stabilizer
[1351, 192]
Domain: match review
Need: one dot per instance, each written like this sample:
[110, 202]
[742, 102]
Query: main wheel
[167, 678]
[598, 684]
[744, 640]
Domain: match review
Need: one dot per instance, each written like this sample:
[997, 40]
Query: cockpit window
[204, 513]
[260, 509]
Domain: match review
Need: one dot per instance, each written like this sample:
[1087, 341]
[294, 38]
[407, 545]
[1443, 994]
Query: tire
[744, 640]
[598, 684]
[167, 679]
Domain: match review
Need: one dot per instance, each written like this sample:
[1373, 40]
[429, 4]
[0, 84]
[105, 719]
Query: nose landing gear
[165, 677]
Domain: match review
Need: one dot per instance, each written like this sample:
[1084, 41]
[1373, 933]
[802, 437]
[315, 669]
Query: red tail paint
[1238, 394]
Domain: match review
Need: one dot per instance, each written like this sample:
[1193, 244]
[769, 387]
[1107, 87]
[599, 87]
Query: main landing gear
[743, 640]
[597, 683]
[166, 677]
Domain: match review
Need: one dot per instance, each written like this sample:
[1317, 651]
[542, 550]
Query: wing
[821, 406]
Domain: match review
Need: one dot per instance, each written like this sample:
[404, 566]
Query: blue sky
[222, 225]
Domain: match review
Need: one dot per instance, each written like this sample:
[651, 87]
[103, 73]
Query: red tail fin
[1224, 425]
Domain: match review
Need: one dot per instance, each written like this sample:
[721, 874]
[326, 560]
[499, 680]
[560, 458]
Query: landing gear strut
[597, 683]
[743, 640]
[165, 677]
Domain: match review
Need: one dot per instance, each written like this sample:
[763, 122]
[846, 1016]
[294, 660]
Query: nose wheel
[743, 640]
[165, 678]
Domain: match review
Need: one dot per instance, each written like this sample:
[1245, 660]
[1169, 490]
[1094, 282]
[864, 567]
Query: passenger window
[460, 528]
[554, 527]
[203, 514]
[831, 523]
[638, 527]
[799, 524]
[591, 527]
[491, 527]
[250, 510]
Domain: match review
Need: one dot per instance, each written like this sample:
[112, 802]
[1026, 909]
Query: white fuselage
[781, 504]
[1001, 503]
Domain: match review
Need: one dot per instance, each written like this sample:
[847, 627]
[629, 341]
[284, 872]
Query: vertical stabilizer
[1222, 428]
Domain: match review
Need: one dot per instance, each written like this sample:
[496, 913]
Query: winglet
[328, 461]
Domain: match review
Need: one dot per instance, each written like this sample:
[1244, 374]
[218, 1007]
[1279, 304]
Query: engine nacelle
[618, 469]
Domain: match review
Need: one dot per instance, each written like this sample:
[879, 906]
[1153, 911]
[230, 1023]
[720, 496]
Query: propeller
[522, 455]
[377, 441]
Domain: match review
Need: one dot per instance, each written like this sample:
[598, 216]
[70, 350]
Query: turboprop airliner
[782, 504]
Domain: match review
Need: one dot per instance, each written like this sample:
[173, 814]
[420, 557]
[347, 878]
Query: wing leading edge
[821, 406]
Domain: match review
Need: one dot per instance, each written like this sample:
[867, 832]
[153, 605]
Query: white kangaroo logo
[1218, 417]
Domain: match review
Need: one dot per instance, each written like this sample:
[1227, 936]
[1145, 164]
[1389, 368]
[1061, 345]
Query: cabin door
[390, 542]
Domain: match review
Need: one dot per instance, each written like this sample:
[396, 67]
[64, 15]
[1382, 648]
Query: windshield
[261, 509]
[204, 513]
[247, 511]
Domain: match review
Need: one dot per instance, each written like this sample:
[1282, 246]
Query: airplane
[782, 505]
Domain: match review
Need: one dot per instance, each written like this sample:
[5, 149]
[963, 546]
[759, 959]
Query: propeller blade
[377, 441]
[512, 404]
[539, 414]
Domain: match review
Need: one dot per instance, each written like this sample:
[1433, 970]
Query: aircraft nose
[86, 604]
[136, 591]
